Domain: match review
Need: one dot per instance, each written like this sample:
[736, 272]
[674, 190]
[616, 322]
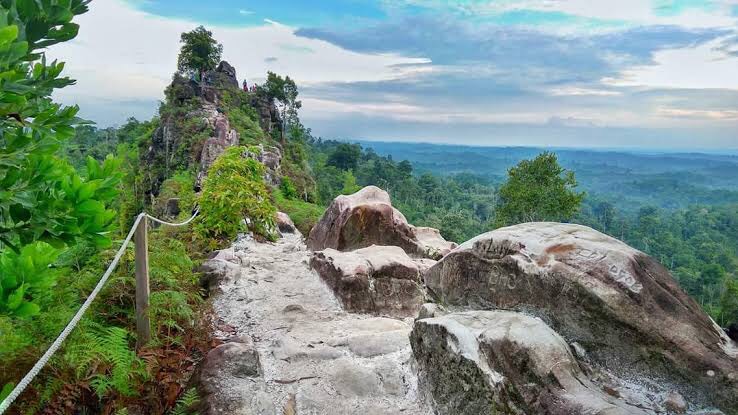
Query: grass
[304, 214]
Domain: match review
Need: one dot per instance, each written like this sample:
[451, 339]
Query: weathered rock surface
[376, 279]
[367, 218]
[285, 224]
[315, 357]
[622, 307]
[483, 362]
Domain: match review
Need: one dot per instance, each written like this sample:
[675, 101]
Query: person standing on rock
[245, 85]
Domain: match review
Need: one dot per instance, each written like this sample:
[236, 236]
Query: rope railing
[138, 229]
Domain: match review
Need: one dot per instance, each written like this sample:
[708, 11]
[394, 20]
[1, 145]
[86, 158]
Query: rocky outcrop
[285, 224]
[484, 362]
[376, 279]
[367, 218]
[269, 118]
[172, 146]
[622, 308]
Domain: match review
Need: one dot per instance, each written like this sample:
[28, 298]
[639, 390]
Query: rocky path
[313, 357]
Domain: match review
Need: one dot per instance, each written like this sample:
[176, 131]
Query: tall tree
[200, 52]
[538, 190]
[284, 92]
[45, 204]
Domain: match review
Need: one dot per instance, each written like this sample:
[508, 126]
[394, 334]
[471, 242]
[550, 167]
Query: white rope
[197, 211]
[23, 384]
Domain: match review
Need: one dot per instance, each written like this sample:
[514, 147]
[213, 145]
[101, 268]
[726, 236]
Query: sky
[560, 73]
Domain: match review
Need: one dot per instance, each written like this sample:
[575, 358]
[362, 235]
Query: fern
[186, 402]
[104, 353]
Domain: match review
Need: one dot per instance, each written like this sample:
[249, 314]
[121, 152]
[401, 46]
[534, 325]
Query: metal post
[143, 325]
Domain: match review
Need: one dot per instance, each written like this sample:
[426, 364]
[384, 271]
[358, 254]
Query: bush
[233, 190]
[288, 188]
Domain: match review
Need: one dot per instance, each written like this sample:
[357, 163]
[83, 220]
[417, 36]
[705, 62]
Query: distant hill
[629, 179]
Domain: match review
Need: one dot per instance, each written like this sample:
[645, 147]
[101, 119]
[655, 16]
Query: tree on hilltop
[284, 91]
[538, 190]
[200, 52]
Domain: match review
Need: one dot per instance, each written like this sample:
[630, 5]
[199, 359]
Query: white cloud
[711, 115]
[123, 54]
[246, 12]
[704, 66]
[578, 91]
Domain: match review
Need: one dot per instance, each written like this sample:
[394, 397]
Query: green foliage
[729, 302]
[200, 52]
[181, 186]
[24, 275]
[304, 214]
[345, 156]
[284, 91]
[538, 190]
[42, 198]
[349, 184]
[186, 403]
[234, 190]
[106, 357]
[288, 188]
[243, 117]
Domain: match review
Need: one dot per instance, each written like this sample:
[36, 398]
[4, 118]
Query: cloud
[699, 67]
[138, 66]
[724, 115]
[245, 12]
[452, 71]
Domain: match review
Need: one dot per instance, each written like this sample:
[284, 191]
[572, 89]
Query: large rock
[367, 218]
[501, 362]
[376, 279]
[621, 306]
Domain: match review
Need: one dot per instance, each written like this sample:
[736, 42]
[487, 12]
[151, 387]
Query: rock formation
[172, 147]
[483, 362]
[367, 218]
[619, 305]
[376, 279]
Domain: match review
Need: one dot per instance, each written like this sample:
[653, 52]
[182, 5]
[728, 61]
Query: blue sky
[595, 73]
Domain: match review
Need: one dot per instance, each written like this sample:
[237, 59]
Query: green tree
[349, 184]
[345, 156]
[729, 303]
[45, 204]
[284, 91]
[200, 52]
[538, 190]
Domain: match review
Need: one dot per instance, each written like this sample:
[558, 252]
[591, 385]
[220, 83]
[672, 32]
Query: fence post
[143, 326]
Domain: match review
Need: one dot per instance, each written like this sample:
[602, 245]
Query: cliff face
[195, 127]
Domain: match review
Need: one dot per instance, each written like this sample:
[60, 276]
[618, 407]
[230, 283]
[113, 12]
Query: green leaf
[7, 388]
[8, 34]
[27, 310]
[15, 299]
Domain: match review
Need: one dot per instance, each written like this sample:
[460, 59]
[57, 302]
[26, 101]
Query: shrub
[288, 188]
[233, 190]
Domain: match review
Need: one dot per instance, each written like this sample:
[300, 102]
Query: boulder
[222, 266]
[432, 242]
[367, 218]
[484, 362]
[376, 279]
[620, 305]
[285, 224]
[221, 367]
